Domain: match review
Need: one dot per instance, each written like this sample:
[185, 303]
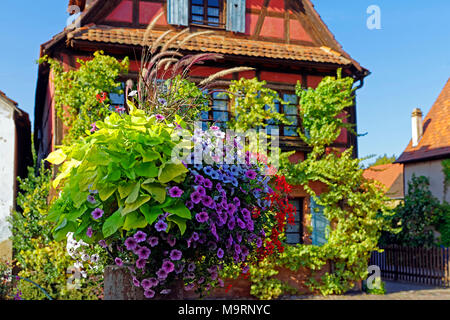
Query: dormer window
[207, 13]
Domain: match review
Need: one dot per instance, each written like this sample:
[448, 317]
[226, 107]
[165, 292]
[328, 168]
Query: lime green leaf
[134, 193]
[113, 223]
[74, 215]
[125, 189]
[180, 222]
[180, 210]
[169, 171]
[147, 169]
[56, 157]
[135, 205]
[134, 220]
[150, 213]
[105, 191]
[150, 155]
[61, 231]
[156, 190]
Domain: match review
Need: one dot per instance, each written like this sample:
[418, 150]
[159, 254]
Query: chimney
[417, 126]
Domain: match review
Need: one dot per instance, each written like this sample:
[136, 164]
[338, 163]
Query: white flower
[85, 257]
[132, 93]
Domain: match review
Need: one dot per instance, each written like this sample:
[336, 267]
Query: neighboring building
[430, 144]
[391, 177]
[284, 40]
[15, 151]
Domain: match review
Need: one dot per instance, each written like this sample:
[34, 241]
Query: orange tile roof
[212, 43]
[389, 175]
[435, 141]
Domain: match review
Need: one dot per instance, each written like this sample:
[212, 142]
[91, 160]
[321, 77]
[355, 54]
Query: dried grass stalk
[223, 73]
[175, 37]
[150, 27]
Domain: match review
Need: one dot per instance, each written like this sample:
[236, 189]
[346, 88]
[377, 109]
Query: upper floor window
[207, 13]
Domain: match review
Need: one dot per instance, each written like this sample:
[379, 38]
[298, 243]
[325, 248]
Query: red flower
[101, 98]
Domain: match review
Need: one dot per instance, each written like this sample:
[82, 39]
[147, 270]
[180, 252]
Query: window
[218, 114]
[207, 13]
[290, 110]
[294, 233]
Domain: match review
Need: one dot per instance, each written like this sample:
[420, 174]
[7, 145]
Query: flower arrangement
[166, 221]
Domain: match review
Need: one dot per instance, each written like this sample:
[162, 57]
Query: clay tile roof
[389, 175]
[435, 142]
[213, 43]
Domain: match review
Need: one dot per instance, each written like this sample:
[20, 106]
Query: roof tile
[213, 43]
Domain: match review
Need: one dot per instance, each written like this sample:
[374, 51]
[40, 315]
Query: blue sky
[408, 57]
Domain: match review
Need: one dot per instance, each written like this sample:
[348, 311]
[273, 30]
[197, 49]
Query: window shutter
[319, 223]
[236, 15]
[178, 12]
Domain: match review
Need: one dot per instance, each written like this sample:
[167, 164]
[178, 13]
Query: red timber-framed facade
[285, 41]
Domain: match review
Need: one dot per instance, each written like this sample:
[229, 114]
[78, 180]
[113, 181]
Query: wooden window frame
[204, 24]
[300, 212]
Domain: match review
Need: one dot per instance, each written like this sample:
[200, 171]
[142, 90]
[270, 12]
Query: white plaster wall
[432, 170]
[7, 172]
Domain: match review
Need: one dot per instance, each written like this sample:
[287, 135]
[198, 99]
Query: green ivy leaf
[133, 194]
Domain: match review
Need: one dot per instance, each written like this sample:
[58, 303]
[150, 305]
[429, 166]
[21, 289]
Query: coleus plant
[165, 220]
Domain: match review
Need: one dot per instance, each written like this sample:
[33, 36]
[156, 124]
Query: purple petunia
[168, 266]
[202, 217]
[189, 204]
[231, 223]
[149, 294]
[171, 240]
[179, 268]
[250, 174]
[208, 202]
[231, 209]
[220, 253]
[144, 253]
[258, 243]
[196, 197]
[146, 284]
[175, 255]
[131, 244]
[140, 263]
[89, 232]
[195, 236]
[140, 236]
[189, 287]
[212, 245]
[153, 282]
[198, 179]
[153, 241]
[175, 192]
[102, 243]
[162, 274]
[160, 226]
[240, 223]
[207, 183]
[118, 261]
[250, 225]
[246, 214]
[201, 190]
[91, 199]
[160, 117]
[136, 282]
[214, 231]
[97, 213]
[191, 267]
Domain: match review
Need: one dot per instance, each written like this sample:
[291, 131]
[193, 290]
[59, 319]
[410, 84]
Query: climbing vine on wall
[81, 95]
[355, 207]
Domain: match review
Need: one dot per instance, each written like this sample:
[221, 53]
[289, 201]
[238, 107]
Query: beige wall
[432, 170]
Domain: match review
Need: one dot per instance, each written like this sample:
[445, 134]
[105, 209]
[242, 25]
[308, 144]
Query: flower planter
[118, 285]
